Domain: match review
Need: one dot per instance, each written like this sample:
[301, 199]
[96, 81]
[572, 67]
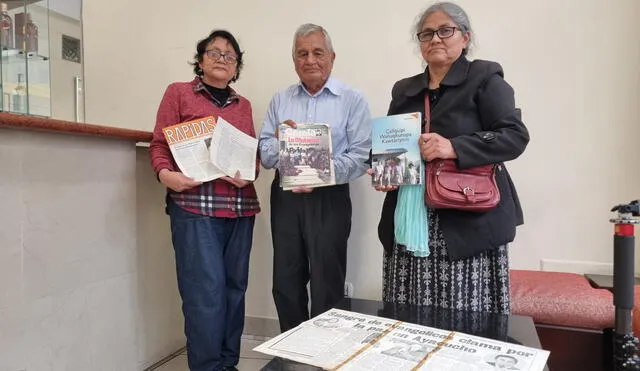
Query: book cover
[395, 151]
[305, 156]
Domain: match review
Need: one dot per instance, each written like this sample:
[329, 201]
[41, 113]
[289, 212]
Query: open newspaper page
[189, 144]
[327, 340]
[305, 156]
[233, 151]
[343, 340]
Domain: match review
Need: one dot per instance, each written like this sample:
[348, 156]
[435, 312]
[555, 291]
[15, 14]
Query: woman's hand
[236, 181]
[433, 146]
[176, 181]
[382, 188]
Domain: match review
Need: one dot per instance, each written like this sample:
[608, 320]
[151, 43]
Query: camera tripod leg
[625, 344]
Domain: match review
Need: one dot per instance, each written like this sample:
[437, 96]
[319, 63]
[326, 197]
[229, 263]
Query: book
[305, 156]
[396, 158]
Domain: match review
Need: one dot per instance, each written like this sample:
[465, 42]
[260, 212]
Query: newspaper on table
[194, 143]
[232, 150]
[305, 156]
[344, 340]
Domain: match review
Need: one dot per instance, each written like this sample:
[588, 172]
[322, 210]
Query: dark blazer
[477, 113]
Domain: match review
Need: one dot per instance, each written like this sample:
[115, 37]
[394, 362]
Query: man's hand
[236, 181]
[433, 146]
[302, 189]
[382, 188]
[287, 122]
[176, 181]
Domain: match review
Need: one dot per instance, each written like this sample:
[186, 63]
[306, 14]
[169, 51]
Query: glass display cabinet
[25, 80]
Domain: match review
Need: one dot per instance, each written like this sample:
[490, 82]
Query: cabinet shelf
[18, 56]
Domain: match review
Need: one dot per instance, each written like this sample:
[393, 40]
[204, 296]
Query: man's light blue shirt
[344, 109]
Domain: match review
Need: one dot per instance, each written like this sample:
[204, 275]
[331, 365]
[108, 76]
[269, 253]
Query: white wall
[68, 272]
[70, 8]
[159, 312]
[573, 64]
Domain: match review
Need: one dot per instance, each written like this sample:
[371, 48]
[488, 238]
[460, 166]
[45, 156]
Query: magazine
[344, 340]
[189, 143]
[396, 158]
[209, 148]
[305, 156]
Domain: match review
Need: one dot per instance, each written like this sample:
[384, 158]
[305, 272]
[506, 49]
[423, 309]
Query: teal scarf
[410, 219]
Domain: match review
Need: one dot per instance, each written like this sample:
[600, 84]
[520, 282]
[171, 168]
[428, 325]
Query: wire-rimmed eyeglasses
[216, 55]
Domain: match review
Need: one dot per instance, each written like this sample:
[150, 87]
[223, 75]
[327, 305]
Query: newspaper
[305, 157]
[232, 151]
[189, 143]
[343, 340]
[209, 148]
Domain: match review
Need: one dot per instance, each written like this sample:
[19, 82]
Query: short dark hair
[201, 48]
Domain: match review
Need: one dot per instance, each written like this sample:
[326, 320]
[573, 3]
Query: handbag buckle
[440, 164]
[469, 193]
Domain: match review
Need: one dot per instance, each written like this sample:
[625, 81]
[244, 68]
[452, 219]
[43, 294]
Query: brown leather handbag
[448, 187]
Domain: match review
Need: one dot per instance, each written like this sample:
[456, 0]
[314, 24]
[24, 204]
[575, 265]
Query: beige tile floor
[249, 360]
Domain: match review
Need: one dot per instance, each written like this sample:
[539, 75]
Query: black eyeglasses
[442, 32]
[216, 55]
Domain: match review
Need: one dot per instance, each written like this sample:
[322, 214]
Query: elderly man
[310, 227]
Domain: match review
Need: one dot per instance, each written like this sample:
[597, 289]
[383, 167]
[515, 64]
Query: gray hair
[306, 30]
[456, 13]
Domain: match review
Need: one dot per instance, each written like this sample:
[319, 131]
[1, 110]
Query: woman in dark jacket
[475, 122]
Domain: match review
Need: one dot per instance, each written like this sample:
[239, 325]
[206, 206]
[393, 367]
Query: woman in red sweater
[211, 222]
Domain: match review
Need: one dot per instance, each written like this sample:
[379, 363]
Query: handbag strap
[427, 113]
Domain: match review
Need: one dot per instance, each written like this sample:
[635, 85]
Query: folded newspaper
[209, 148]
[233, 151]
[344, 340]
[305, 156]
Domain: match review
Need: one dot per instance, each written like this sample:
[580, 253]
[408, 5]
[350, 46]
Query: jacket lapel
[457, 75]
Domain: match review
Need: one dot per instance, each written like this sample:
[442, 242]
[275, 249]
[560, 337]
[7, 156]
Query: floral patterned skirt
[479, 283]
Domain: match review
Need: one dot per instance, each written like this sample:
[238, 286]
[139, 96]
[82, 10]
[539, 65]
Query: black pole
[623, 282]
[625, 344]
